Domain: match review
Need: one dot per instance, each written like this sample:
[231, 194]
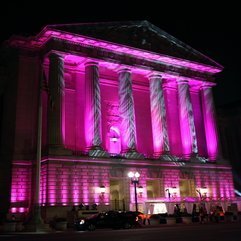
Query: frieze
[98, 53]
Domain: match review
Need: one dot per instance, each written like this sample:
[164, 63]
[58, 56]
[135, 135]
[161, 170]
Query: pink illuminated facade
[109, 98]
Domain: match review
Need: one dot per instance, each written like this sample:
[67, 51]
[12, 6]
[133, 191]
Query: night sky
[213, 30]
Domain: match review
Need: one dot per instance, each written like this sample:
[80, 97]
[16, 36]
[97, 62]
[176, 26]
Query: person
[146, 218]
[195, 213]
[201, 214]
[94, 206]
[73, 209]
[177, 210]
[81, 206]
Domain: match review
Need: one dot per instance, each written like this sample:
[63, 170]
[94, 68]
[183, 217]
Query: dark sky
[213, 29]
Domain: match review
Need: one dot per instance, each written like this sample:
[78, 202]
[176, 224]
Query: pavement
[72, 230]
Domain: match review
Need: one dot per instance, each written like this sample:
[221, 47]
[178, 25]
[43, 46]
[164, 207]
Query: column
[209, 121]
[127, 114]
[186, 119]
[158, 116]
[56, 107]
[93, 110]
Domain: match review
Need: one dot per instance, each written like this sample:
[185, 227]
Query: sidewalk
[140, 226]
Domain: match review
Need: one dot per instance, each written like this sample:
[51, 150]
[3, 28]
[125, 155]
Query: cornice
[52, 35]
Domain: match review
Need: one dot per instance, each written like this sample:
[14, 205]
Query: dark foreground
[197, 232]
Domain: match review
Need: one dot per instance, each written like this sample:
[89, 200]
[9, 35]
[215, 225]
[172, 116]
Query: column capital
[154, 75]
[56, 55]
[123, 69]
[91, 63]
[182, 81]
[207, 85]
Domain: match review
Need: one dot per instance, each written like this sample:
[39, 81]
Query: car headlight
[82, 221]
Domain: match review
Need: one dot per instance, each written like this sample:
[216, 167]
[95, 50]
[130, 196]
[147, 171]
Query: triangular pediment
[138, 34]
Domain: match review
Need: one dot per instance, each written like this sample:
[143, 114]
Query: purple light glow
[19, 210]
[185, 112]
[173, 125]
[47, 33]
[90, 96]
[209, 121]
[198, 120]
[64, 186]
[114, 140]
[20, 188]
[144, 140]
[75, 192]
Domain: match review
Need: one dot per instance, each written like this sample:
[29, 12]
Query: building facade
[84, 104]
[229, 120]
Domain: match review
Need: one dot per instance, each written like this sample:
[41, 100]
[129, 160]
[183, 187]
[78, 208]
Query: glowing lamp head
[137, 174]
[130, 174]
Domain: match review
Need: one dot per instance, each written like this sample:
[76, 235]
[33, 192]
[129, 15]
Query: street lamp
[134, 176]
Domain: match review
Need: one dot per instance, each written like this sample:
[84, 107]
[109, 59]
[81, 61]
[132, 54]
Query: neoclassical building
[84, 104]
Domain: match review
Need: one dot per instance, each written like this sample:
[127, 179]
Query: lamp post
[134, 176]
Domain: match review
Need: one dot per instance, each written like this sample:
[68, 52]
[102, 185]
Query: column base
[133, 154]
[187, 157]
[168, 157]
[59, 150]
[156, 155]
[97, 151]
[196, 158]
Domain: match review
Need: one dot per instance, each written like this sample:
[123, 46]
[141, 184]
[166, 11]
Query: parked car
[110, 219]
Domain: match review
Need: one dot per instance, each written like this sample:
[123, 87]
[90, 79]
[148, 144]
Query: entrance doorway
[153, 189]
[117, 197]
[186, 187]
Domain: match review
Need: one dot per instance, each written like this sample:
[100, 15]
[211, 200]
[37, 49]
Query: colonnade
[161, 144]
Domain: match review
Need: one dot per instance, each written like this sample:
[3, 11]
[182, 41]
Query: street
[197, 232]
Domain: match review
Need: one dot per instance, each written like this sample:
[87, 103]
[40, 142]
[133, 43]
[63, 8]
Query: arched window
[114, 141]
